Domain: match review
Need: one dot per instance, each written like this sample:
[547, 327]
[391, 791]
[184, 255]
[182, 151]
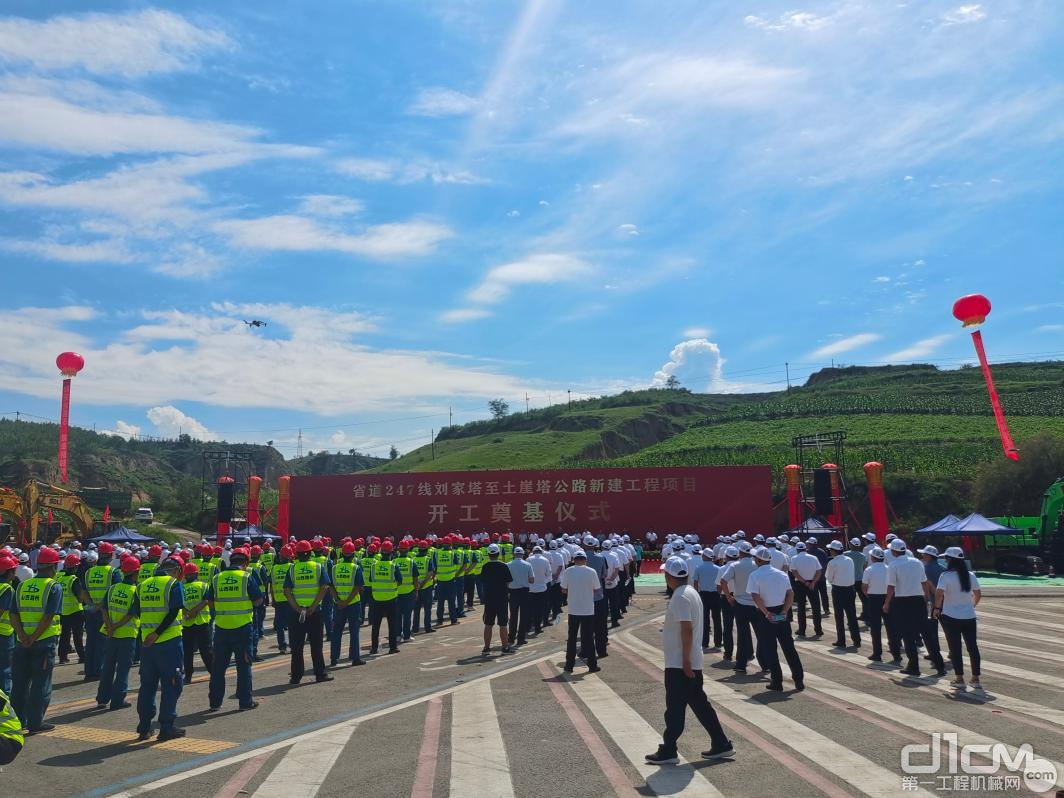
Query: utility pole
[788, 367]
[570, 392]
[432, 442]
[450, 417]
[299, 444]
[526, 401]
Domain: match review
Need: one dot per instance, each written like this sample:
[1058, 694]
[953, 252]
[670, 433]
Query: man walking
[579, 583]
[683, 669]
[908, 593]
[933, 570]
[537, 593]
[520, 580]
[706, 579]
[807, 573]
[771, 591]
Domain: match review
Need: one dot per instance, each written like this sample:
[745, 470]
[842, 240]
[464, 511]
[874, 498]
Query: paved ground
[438, 720]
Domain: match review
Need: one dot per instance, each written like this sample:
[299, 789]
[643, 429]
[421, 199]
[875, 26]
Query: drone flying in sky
[255, 323]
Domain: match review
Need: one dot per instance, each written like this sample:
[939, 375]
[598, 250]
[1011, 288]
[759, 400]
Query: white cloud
[299, 234]
[330, 205]
[367, 169]
[846, 344]
[405, 172]
[791, 20]
[535, 269]
[462, 315]
[919, 349]
[123, 430]
[110, 251]
[513, 214]
[881, 280]
[171, 422]
[696, 363]
[1051, 328]
[131, 45]
[439, 101]
[628, 229]
[308, 360]
[963, 15]
[338, 438]
[697, 332]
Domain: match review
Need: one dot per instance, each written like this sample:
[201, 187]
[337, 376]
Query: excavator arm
[39, 496]
[12, 504]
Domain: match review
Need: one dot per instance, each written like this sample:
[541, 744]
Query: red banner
[706, 500]
[64, 430]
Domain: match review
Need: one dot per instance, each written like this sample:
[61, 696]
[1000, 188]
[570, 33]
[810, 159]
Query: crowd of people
[159, 606]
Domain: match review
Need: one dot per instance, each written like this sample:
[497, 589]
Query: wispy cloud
[535, 269]
[375, 170]
[919, 349]
[791, 20]
[171, 423]
[132, 45]
[964, 15]
[462, 315]
[439, 101]
[846, 344]
[302, 234]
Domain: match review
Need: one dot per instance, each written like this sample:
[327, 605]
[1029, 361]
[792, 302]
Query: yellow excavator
[37, 497]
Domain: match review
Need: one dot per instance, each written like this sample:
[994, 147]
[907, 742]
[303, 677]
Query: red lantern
[69, 364]
[972, 311]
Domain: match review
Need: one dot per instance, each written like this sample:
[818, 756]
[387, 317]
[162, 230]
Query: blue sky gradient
[435, 204]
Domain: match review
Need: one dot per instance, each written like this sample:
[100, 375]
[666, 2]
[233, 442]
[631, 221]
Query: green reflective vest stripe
[385, 588]
[406, 569]
[147, 571]
[154, 597]
[233, 607]
[344, 574]
[478, 562]
[97, 580]
[306, 581]
[507, 552]
[32, 596]
[422, 563]
[277, 575]
[367, 570]
[71, 604]
[6, 629]
[10, 725]
[194, 593]
[446, 565]
[119, 603]
[267, 559]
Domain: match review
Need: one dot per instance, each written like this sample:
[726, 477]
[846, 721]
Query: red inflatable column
[793, 476]
[254, 487]
[877, 498]
[283, 497]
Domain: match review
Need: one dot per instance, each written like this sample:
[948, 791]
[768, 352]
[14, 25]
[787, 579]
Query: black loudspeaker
[225, 501]
[822, 491]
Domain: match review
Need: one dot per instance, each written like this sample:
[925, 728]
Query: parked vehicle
[144, 514]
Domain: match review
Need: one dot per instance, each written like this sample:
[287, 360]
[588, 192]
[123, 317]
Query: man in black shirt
[495, 578]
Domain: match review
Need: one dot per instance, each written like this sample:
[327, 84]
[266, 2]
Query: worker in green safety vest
[305, 587]
[97, 579]
[195, 621]
[347, 584]
[281, 610]
[406, 600]
[7, 631]
[385, 580]
[162, 600]
[11, 739]
[233, 595]
[72, 615]
[426, 568]
[120, 627]
[367, 560]
[447, 564]
[38, 604]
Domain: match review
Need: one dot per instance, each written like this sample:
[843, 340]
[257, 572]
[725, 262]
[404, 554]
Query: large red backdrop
[704, 499]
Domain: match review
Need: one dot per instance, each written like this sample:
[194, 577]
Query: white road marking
[1018, 618]
[636, 738]
[303, 769]
[857, 771]
[1049, 659]
[478, 756]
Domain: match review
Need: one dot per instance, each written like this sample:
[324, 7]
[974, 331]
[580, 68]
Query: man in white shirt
[842, 574]
[908, 591]
[737, 595]
[771, 591]
[579, 584]
[683, 669]
[731, 556]
[537, 591]
[806, 570]
[554, 592]
[874, 588]
[613, 582]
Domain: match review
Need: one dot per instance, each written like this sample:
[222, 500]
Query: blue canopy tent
[939, 525]
[122, 535]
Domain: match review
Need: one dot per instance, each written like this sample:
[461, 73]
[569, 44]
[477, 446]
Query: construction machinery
[1041, 534]
[25, 508]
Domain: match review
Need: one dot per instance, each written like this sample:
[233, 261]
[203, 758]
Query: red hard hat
[8, 564]
[130, 565]
[317, 545]
[288, 550]
[72, 561]
[303, 546]
[387, 546]
[373, 548]
[360, 542]
[266, 545]
[190, 569]
[106, 548]
[155, 551]
[48, 556]
[475, 544]
[217, 550]
[495, 536]
[404, 545]
[348, 548]
[256, 550]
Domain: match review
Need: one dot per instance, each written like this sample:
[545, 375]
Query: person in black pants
[520, 606]
[579, 584]
[494, 579]
[821, 586]
[683, 670]
[771, 591]
[706, 579]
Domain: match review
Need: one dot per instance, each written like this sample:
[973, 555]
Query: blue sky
[433, 204]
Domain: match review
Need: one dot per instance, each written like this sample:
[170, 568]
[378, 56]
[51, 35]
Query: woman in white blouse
[955, 599]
